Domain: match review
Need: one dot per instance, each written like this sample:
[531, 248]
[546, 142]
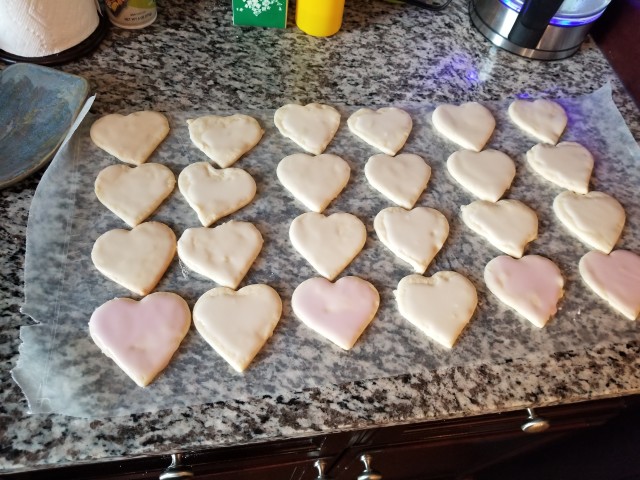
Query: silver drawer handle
[368, 473]
[534, 424]
[176, 469]
[320, 466]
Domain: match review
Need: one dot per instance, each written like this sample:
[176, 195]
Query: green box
[260, 13]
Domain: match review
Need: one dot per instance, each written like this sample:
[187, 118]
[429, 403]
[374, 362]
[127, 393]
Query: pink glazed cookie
[338, 311]
[141, 337]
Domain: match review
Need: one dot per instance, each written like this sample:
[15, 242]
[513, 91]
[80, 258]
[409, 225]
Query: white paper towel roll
[36, 28]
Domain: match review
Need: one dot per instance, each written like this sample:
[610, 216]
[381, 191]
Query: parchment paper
[61, 370]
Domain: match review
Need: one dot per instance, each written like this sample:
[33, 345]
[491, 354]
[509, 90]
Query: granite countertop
[192, 58]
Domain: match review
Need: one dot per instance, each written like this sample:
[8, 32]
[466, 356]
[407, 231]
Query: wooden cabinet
[454, 448]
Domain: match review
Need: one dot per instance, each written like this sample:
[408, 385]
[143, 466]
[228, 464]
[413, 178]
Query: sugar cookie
[567, 164]
[509, 225]
[415, 236]
[315, 181]
[401, 179]
[214, 193]
[338, 311]
[440, 306]
[615, 278]
[544, 119]
[131, 138]
[596, 218]
[531, 285]
[238, 324]
[330, 243]
[141, 337]
[470, 125]
[225, 139]
[386, 129]
[224, 253]
[487, 174]
[135, 259]
[311, 126]
[134, 193]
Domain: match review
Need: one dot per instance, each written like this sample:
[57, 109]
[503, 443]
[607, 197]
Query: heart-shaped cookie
[330, 243]
[223, 254]
[415, 236]
[135, 259]
[487, 174]
[401, 179]
[237, 324]
[315, 181]
[440, 306]
[141, 337]
[338, 311]
[544, 119]
[595, 218]
[470, 125]
[133, 193]
[567, 164]
[386, 129]
[131, 138]
[531, 285]
[509, 225]
[225, 139]
[214, 193]
[311, 126]
[615, 278]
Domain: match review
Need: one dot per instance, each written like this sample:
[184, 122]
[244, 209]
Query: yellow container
[319, 18]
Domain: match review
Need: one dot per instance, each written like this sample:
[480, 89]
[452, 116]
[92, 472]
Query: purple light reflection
[559, 21]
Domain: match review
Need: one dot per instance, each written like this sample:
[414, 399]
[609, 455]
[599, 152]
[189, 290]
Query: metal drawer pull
[534, 424]
[176, 469]
[321, 465]
[368, 473]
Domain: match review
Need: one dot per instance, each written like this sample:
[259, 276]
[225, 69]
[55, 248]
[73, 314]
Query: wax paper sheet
[61, 370]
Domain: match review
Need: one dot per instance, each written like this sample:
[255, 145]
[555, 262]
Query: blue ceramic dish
[37, 107]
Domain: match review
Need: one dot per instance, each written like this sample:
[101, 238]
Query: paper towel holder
[85, 47]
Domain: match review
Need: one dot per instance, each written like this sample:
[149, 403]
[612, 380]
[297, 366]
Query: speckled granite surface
[192, 58]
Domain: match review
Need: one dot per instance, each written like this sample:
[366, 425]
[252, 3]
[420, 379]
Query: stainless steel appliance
[542, 29]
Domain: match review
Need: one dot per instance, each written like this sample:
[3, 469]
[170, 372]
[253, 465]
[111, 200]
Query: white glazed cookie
[330, 243]
[401, 179]
[531, 285]
[225, 139]
[470, 125]
[315, 181]
[311, 126]
[615, 278]
[440, 306]
[386, 129]
[415, 236]
[135, 259]
[131, 138]
[141, 337]
[509, 225]
[134, 193]
[596, 218]
[567, 164]
[487, 174]
[238, 324]
[544, 119]
[214, 193]
[224, 253]
[338, 311]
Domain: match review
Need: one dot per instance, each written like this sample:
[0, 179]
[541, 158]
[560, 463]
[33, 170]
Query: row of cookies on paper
[595, 218]
[141, 337]
[224, 139]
